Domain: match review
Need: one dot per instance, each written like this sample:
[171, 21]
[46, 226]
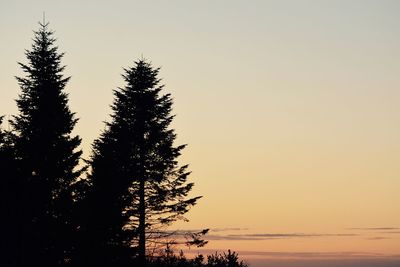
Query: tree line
[112, 209]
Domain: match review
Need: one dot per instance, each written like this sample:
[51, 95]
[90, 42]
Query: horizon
[290, 110]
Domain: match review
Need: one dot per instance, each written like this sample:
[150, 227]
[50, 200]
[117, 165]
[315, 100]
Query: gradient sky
[290, 109]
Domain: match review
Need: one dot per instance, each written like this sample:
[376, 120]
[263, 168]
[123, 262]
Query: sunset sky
[290, 109]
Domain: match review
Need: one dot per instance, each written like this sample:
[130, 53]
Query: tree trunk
[142, 225]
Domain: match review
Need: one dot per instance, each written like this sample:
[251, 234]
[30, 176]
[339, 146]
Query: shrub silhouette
[224, 259]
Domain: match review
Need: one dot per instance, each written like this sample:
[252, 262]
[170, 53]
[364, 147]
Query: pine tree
[138, 187]
[47, 154]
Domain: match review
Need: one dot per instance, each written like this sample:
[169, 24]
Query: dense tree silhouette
[224, 259]
[118, 215]
[47, 155]
[138, 187]
[10, 205]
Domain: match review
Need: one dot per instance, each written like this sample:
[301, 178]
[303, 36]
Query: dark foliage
[47, 157]
[230, 259]
[137, 186]
[169, 259]
[118, 215]
[9, 200]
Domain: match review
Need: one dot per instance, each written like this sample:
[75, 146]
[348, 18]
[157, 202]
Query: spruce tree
[138, 187]
[9, 204]
[47, 155]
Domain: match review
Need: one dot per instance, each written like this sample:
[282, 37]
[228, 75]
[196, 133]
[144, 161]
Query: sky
[290, 110]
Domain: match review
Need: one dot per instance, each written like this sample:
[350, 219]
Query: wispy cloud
[369, 233]
[273, 236]
[298, 235]
[378, 238]
[375, 228]
[228, 229]
[216, 230]
[305, 255]
[377, 231]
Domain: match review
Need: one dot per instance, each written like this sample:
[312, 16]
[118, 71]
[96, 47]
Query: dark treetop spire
[47, 154]
[139, 188]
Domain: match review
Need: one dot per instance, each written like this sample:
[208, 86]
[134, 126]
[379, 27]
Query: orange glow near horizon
[290, 110]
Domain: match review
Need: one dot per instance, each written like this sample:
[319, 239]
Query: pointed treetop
[44, 24]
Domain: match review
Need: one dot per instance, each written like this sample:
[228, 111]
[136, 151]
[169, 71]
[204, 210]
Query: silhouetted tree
[138, 188]
[47, 155]
[224, 259]
[230, 259]
[10, 205]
